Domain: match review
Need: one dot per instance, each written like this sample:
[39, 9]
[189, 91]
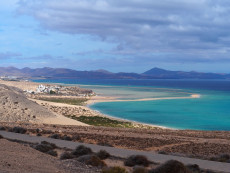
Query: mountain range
[154, 73]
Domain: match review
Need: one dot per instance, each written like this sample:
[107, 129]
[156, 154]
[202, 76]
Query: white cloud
[180, 26]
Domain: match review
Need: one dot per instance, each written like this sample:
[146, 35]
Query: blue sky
[128, 36]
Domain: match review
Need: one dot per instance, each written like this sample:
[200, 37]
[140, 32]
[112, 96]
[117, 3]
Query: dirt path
[123, 153]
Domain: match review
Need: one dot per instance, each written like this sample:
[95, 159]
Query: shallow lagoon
[209, 112]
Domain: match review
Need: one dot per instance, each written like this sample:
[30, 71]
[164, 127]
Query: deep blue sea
[209, 112]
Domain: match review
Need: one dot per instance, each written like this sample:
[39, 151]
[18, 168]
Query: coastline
[97, 99]
[145, 137]
[101, 99]
[135, 123]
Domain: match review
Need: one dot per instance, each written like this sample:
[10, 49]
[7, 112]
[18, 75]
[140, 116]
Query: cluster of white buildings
[61, 90]
[44, 89]
[47, 89]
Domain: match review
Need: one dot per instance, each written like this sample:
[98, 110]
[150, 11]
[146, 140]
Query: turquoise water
[209, 112]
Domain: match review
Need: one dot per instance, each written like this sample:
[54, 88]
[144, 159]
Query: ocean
[209, 112]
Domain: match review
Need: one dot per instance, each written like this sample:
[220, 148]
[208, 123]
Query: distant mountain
[167, 74]
[158, 71]
[64, 73]
[155, 73]
[102, 71]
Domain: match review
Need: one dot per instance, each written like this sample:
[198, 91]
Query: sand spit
[98, 99]
[17, 108]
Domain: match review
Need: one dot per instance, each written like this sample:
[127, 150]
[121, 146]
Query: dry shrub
[82, 150]
[47, 148]
[102, 154]
[52, 153]
[194, 168]
[172, 166]
[19, 130]
[92, 160]
[115, 169]
[66, 155]
[137, 160]
[140, 169]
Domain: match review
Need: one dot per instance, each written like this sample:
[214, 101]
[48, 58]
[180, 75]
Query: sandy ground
[66, 109]
[23, 85]
[97, 99]
[18, 158]
[17, 108]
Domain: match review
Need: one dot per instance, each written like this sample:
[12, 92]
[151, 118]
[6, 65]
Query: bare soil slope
[16, 107]
[17, 158]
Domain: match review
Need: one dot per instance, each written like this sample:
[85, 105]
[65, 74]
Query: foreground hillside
[16, 157]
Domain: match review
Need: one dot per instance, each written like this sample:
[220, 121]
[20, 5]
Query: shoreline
[99, 99]
[133, 122]
[113, 99]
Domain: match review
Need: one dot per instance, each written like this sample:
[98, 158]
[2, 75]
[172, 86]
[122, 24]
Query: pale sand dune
[15, 107]
[61, 120]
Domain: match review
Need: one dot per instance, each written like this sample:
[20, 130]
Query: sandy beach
[98, 99]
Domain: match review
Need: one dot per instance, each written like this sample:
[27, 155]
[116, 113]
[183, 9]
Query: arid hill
[16, 107]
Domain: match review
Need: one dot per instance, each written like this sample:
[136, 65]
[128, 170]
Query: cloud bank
[184, 29]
